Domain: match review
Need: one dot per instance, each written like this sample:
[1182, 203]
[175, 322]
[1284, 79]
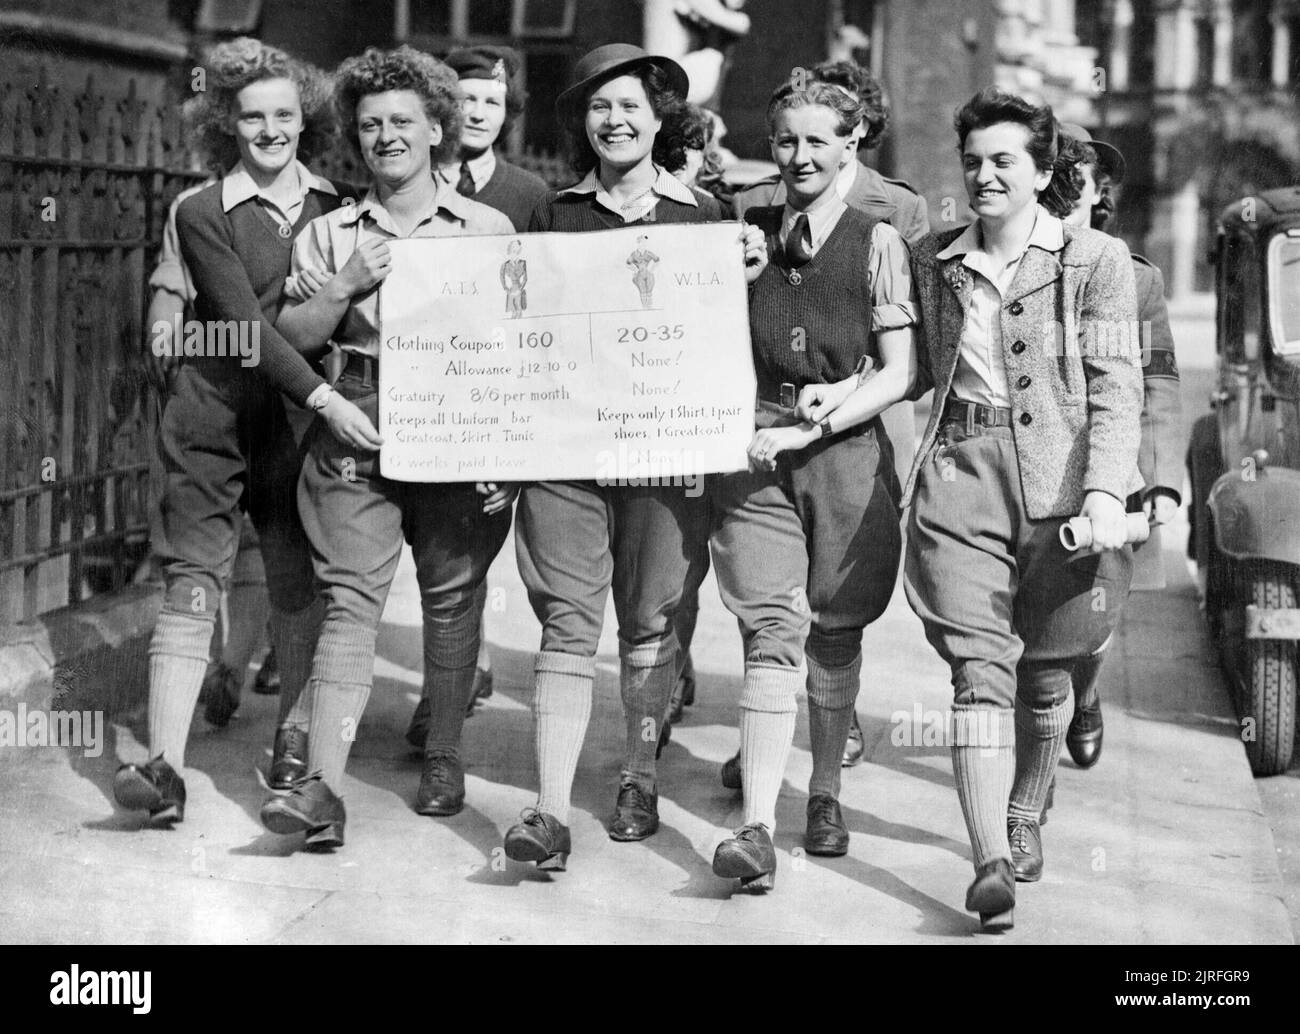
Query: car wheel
[1268, 674]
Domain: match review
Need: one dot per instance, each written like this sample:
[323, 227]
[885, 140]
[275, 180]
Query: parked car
[1244, 463]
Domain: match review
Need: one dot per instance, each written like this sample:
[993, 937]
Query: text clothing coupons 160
[621, 356]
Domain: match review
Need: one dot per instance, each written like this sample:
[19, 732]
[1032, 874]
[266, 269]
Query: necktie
[465, 185]
[798, 245]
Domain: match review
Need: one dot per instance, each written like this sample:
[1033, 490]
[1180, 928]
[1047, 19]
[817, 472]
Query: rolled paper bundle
[1076, 533]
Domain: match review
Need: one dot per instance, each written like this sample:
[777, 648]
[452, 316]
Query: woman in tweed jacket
[1029, 345]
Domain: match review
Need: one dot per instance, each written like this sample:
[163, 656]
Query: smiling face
[267, 122]
[1001, 177]
[485, 113]
[621, 123]
[395, 135]
[809, 151]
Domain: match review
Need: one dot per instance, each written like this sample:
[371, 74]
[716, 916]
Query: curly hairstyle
[845, 104]
[669, 150]
[1065, 188]
[857, 80]
[378, 71]
[992, 106]
[229, 67]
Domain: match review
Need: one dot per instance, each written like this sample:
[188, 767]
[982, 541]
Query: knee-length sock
[178, 658]
[294, 635]
[647, 675]
[1040, 734]
[451, 642]
[342, 671]
[561, 710]
[831, 696]
[767, 718]
[1084, 676]
[983, 765]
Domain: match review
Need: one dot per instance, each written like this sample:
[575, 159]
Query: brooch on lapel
[957, 276]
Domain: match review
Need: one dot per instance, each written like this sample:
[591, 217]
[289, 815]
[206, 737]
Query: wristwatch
[825, 425]
[320, 398]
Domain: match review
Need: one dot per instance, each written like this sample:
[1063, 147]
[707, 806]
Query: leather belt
[365, 368]
[974, 415]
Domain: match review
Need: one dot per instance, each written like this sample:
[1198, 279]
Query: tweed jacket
[1073, 362]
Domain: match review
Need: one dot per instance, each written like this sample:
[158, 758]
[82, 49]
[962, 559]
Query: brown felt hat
[611, 61]
[1109, 159]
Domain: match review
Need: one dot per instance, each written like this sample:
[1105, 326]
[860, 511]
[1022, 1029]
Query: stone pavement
[1165, 841]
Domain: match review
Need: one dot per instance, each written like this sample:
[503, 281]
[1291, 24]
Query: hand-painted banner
[621, 355]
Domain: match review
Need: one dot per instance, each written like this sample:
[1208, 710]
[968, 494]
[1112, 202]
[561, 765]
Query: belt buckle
[788, 396]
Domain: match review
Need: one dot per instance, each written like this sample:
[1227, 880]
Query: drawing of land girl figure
[514, 280]
[643, 262]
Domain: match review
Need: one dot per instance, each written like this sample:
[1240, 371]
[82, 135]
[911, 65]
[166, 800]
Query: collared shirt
[894, 302]
[329, 241]
[481, 168]
[665, 185]
[239, 186]
[981, 374]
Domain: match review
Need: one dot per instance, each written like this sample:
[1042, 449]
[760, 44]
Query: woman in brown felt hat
[577, 539]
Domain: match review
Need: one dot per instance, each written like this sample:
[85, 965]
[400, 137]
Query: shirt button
[1018, 347]
[1024, 382]
[1026, 419]
[1016, 309]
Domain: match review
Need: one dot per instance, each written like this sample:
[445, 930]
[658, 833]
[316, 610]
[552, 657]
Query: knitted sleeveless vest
[817, 329]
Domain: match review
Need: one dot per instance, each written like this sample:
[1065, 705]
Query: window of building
[1252, 43]
[1204, 53]
[1142, 47]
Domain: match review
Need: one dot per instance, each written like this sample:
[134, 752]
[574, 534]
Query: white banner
[621, 355]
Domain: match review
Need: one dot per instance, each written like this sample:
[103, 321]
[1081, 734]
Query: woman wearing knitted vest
[809, 534]
[576, 540]
[225, 440]
[1029, 328]
[401, 111]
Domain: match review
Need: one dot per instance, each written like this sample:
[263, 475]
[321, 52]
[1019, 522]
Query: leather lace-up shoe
[418, 731]
[154, 787]
[853, 748]
[1026, 850]
[826, 833]
[220, 694]
[993, 895]
[267, 681]
[310, 807]
[730, 774]
[1083, 737]
[540, 838]
[442, 785]
[636, 815]
[748, 856]
[288, 758]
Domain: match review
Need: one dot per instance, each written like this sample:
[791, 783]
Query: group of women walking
[1026, 429]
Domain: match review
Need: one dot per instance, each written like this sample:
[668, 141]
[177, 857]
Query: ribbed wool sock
[831, 695]
[1085, 674]
[342, 671]
[767, 718]
[647, 675]
[983, 763]
[294, 637]
[484, 659]
[561, 709]
[1040, 734]
[178, 657]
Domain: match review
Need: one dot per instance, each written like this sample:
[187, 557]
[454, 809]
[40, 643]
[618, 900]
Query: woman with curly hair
[225, 441]
[401, 111]
[1035, 419]
[577, 539]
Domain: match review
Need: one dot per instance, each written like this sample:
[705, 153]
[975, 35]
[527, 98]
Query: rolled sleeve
[171, 274]
[894, 302]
